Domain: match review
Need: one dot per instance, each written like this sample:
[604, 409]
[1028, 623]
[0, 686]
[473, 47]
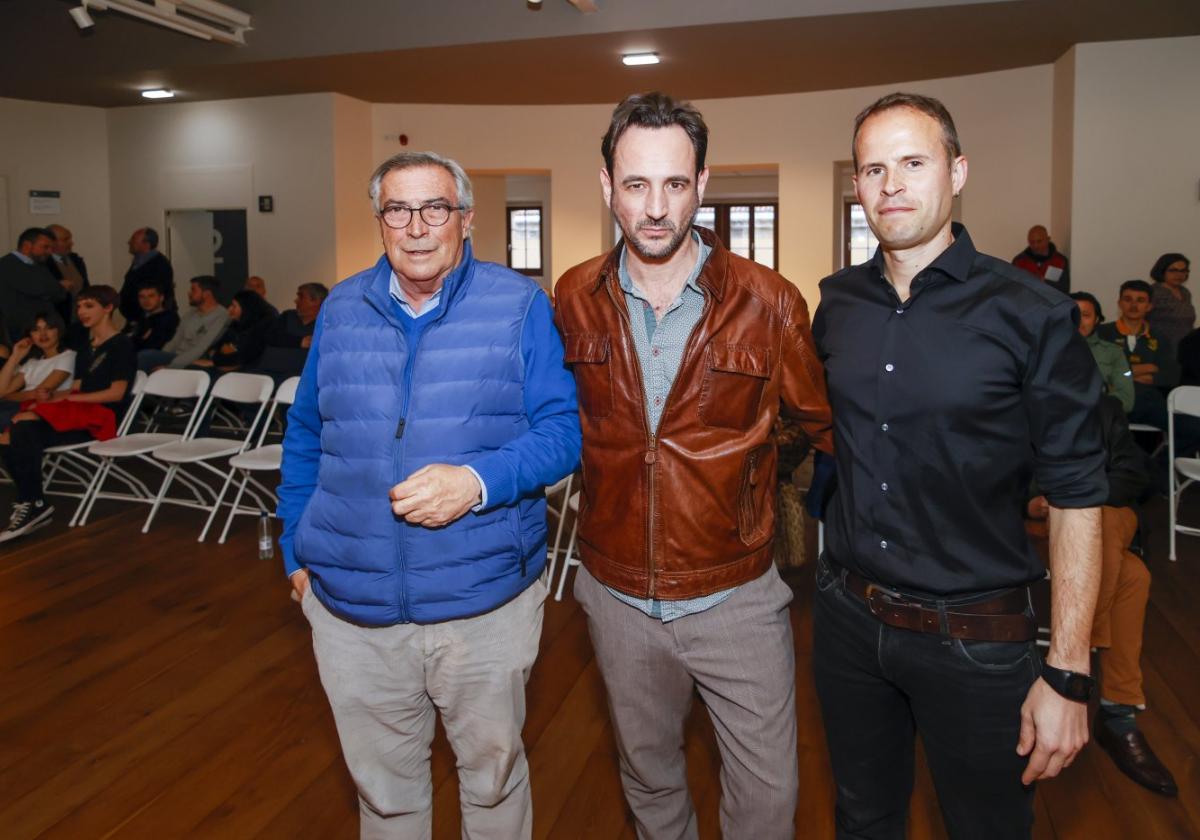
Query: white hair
[410, 160]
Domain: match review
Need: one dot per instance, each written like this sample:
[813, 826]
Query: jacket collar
[378, 292]
[712, 277]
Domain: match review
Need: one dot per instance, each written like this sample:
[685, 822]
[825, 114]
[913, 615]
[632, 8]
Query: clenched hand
[435, 495]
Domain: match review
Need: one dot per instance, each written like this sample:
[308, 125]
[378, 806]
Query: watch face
[1079, 686]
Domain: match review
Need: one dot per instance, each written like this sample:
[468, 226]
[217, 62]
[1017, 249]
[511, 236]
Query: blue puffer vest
[388, 409]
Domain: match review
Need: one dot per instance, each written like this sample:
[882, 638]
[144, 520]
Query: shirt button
[899, 311]
[884, 427]
[658, 400]
[883, 487]
[883, 543]
[656, 351]
[889, 367]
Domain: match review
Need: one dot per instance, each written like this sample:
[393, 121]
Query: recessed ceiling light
[158, 93]
[635, 59]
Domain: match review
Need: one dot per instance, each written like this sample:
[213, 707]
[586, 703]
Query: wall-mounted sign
[45, 202]
[266, 204]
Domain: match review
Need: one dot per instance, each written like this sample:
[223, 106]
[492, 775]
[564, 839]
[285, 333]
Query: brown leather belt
[999, 619]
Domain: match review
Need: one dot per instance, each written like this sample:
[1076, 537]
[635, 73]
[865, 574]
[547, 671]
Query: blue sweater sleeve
[301, 454]
[550, 448]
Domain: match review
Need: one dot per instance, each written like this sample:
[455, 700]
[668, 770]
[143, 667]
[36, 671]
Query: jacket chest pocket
[588, 356]
[734, 378]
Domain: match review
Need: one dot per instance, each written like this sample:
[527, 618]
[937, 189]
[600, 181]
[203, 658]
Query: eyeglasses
[398, 216]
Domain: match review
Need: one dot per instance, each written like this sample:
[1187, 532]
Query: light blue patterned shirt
[660, 345]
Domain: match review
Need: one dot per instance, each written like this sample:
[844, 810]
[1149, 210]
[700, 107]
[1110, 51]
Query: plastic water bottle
[266, 540]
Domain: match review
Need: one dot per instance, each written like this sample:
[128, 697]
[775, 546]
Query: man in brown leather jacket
[683, 354]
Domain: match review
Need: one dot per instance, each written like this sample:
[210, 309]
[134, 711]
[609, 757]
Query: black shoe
[26, 517]
[1133, 756]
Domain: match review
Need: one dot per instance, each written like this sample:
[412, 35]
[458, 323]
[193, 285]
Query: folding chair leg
[217, 507]
[92, 488]
[162, 492]
[237, 500]
[562, 581]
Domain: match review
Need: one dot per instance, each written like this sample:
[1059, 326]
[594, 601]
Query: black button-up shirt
[944, 407]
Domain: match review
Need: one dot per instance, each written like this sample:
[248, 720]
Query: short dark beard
[680, 235]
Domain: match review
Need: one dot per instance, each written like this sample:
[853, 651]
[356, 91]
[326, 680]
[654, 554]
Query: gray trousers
[739, 657]
[386, 684]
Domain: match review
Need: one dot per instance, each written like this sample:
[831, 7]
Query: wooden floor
[152, 687]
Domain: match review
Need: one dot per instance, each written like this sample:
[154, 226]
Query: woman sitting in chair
[244, 339]
[37, 361]
[104, 371]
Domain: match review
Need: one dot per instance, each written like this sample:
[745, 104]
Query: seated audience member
[37, 362]
[1121, 608]
[26, 286]
[1172, 314]
[1189, 359]
[256, 284]
[1114, 369]
[156, 325]
[1152, 360]
[290, 336]
[244, 338]
[200, 327]
[1044, 261]
[148, 268]
[104, 371]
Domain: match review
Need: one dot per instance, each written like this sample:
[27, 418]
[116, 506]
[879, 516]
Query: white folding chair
[72, 459]
[560, 490]
[1147, 429]
[244, 388]
[1182, 400]
[263, 457]
[167, 384]
[571, 559]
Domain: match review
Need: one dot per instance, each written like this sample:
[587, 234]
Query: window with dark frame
[750, 230]
[858, 242]
[525, 239]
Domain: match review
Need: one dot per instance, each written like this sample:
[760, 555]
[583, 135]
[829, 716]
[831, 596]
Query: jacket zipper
[399, 472]
[651, 456]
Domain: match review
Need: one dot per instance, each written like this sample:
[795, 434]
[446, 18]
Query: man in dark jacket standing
[26, 286]
[684, 355]
[433, 411]
[149, 268]
[1043, 260]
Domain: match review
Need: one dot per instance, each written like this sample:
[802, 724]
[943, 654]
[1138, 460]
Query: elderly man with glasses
[433, 410]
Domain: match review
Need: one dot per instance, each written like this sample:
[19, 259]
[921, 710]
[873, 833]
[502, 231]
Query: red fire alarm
[403, 139]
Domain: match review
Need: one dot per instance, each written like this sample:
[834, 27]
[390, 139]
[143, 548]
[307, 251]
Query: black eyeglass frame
[418, 211]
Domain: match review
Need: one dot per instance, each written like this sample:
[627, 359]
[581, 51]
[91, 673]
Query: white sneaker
[26, 517]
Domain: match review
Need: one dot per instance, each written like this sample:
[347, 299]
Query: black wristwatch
[1070, 684]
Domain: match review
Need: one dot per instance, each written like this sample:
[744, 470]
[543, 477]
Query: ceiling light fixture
[158, 93]
[207, 20]
[81, 17]
[638, 59]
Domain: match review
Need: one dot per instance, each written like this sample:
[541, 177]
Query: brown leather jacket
[691, 511]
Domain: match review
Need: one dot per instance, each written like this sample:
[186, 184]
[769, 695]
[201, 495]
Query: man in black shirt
[954, 379]
[149, 268]
[156, 325]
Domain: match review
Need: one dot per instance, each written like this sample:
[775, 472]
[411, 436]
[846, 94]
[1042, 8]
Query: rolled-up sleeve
[1062, 390]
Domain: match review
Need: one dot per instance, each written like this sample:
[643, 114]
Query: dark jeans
[23, 455]
[148, 360]
[879, 685]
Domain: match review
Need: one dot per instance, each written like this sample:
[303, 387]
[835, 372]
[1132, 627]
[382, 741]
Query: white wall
[1004, 120]
[356, 230]
[222, 155]
[489, 238]
[64, 148]
[1136, 173]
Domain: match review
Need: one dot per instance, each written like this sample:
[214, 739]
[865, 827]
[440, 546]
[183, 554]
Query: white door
[189, 248]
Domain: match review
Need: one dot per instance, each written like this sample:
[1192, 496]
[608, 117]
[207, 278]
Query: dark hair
[33, 235]
[254, 308]
[1135, 286]
[54, 321]
[1159, 272]
[655, 110]
[926, 105]
[314, 290]
[106, 296]
[207, 282]
[151, 236]
[1090, 298]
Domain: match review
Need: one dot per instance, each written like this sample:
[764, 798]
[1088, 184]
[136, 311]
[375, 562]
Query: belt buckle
[884, 595]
